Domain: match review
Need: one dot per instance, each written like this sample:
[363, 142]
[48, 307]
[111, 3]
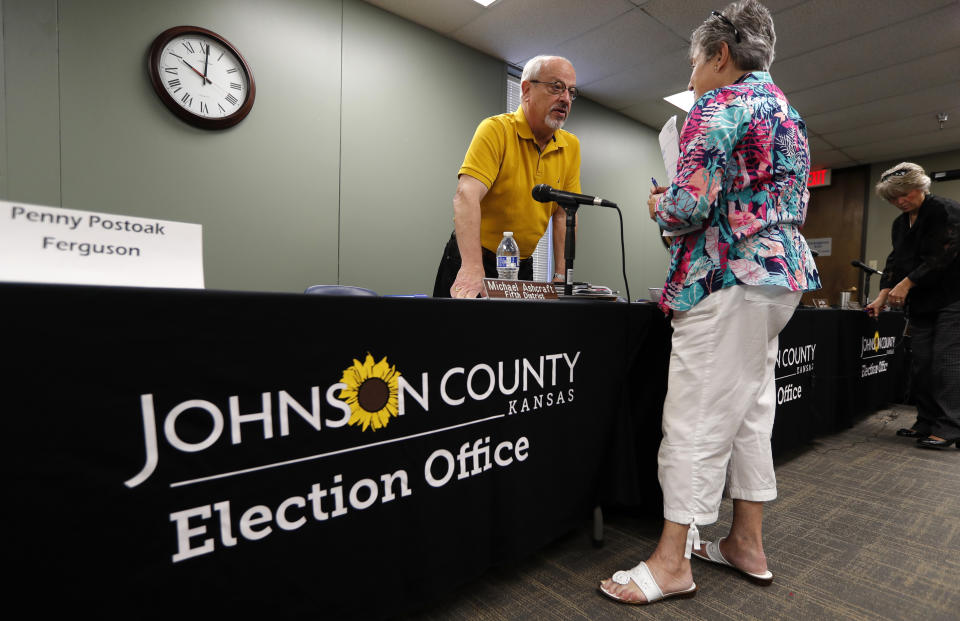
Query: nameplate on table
[69, 246]
[519, 289]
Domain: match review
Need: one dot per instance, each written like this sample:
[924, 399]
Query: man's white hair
[531, 70]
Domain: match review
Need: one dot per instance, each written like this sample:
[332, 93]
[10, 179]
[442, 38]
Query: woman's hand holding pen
[654, 198]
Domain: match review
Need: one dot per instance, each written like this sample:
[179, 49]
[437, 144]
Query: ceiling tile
[890, 109]
[831, 159]
[650, 81]
[865, 74]
[903, 148]
[683, 17]
[872, 51]
[517, 30]
[903, 79]
[630, 40]
[819, 23]
[914, 126]
[819, 144]
[441, 16]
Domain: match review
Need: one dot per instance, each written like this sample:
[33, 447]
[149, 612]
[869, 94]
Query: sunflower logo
[876, 341]
[371, 392]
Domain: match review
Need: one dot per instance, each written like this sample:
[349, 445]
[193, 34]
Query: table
[179, 450]
[227, 452]
[833, 367]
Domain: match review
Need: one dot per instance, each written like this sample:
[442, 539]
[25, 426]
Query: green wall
[345, 168]
[411, 102]
[619, 156]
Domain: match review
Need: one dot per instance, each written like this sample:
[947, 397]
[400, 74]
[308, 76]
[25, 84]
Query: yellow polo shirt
[504, 156]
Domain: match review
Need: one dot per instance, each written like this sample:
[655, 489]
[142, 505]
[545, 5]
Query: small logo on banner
[886, 343]
[371, 392]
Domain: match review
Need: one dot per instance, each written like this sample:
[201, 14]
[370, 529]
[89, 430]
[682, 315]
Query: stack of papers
[589, 291]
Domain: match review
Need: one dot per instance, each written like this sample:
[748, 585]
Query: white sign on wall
[823, 246]
[68, 246]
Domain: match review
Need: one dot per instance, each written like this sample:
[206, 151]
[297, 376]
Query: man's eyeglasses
[723, 18]
[558, 87]
[897, 173]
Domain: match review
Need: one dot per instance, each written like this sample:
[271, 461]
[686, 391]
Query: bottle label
[511, 263]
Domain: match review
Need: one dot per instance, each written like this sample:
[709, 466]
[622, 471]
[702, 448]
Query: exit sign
[819, 178]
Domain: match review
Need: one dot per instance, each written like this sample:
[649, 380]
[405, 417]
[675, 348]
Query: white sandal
[712, 554]
[642, 577]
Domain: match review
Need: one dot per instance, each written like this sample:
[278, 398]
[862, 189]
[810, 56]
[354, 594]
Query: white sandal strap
[642, 578]
[713, 552]
[712, 548]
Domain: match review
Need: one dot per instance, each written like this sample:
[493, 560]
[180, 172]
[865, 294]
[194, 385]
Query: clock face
[201, 77]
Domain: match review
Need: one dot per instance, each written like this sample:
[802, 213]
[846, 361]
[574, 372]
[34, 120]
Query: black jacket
[927, 253]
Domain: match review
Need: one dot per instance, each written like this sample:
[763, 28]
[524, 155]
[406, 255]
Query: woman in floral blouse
[738, 267]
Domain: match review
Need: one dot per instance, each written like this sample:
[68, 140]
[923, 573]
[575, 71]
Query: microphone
[865, 267]
[545, 194]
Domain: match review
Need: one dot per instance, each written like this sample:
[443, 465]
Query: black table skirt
[262, 496]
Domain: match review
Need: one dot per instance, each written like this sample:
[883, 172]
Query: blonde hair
[902, 179]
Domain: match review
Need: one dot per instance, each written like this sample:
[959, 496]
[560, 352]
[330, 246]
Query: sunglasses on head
[897, 173]
[723, 18]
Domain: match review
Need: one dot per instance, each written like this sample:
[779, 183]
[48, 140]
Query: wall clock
[201, 77]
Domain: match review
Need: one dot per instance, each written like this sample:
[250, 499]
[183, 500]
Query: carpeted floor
[867, 526]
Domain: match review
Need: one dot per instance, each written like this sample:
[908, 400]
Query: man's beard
[553, 123]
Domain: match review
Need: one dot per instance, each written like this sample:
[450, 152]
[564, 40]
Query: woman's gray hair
[757, 37]
[531, 70]
[902, 179]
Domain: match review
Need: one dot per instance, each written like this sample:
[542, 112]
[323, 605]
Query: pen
[655, 184]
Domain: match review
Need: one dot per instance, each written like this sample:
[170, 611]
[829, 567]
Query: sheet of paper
[56, 245]
[670, 149]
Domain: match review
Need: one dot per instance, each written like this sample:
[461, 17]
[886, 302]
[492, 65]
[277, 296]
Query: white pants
[721, 400]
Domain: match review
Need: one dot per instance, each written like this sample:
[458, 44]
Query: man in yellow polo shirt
[508, 156]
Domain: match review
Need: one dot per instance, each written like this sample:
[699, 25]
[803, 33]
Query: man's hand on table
[469, 283]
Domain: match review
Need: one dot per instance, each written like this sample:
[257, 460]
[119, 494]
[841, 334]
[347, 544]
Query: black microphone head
[858, 263]
[542, 193]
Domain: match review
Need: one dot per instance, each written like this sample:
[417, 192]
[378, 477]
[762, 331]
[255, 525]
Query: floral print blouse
[740, 196]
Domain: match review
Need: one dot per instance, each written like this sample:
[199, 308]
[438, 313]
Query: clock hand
[206, 61]
[205, 78]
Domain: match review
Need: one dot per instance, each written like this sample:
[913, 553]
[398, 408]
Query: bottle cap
[508, 233]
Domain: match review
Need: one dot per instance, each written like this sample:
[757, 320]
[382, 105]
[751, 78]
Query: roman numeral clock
[201, 77]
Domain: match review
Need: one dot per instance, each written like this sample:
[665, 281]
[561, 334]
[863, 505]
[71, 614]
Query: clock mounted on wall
[201, 77]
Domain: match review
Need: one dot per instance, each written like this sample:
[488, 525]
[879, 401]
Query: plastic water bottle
[508, 257]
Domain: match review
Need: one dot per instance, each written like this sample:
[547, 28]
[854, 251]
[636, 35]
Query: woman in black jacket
[922, 274]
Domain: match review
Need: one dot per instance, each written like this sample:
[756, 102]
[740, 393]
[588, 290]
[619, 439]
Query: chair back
[341, 290]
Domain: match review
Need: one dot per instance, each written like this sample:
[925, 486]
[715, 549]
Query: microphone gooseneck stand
[570, 201]
[867, 273]
[569, 245]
